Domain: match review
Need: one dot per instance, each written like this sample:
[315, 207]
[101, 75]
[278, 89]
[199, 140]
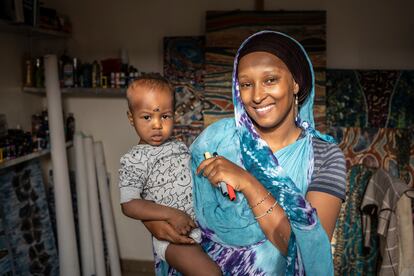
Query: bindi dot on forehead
[157, 109]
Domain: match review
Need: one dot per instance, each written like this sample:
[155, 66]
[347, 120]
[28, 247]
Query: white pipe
[97, 236]
[86, 245]
[68, 251]
[107, 213]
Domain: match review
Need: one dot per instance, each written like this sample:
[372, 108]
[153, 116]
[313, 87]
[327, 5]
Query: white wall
[365, 34]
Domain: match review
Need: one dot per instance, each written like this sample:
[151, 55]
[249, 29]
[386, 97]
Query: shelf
[81, 92]
[8, 27]
[21, 159]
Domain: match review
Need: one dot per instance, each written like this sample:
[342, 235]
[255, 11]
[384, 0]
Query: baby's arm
[147, 210]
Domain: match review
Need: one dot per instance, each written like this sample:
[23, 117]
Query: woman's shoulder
[222, 124]
[215, 132]
[329, 173]
[326, 149]
[220, 137]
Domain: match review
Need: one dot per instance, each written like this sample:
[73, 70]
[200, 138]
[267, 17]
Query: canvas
[184, 68]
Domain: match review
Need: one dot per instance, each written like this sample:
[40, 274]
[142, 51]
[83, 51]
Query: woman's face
[267, 90]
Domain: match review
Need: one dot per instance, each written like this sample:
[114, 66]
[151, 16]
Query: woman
[290, 178]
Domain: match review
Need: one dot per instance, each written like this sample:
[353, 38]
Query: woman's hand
[162, 230]
[218, 169]
[181, 222]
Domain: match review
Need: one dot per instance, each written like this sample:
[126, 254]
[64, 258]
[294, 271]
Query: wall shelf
[81, 92]
[8, 27]
[24, 158]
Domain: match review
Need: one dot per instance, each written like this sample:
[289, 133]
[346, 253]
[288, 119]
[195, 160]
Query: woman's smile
[263, 110]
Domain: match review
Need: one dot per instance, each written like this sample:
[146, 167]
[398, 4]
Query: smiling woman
[283, 169]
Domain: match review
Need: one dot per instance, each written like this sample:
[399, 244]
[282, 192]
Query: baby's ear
[130, 118]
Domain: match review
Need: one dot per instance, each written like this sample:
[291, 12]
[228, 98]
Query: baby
[155, 175]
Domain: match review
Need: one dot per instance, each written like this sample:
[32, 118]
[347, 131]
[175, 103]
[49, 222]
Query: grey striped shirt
[329, 174]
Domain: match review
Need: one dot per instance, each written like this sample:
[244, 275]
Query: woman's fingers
[204, 164]
[181, 239]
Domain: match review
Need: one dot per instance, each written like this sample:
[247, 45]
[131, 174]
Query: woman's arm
[164, 231]
[270, 216]
[274, 224]
[327, 207]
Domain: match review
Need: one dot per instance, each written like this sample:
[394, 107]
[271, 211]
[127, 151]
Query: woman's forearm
[270, 216]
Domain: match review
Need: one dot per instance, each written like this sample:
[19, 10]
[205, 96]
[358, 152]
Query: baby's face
[152, 114]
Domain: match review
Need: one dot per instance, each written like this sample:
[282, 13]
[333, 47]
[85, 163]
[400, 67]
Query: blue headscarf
[286, 174]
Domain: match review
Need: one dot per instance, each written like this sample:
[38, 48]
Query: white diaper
[161, 246]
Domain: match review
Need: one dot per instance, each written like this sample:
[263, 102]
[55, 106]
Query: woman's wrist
[249, 184]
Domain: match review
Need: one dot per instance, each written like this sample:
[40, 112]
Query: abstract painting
[370, 98]
[184, 68]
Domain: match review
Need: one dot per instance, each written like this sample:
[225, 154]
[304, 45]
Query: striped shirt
[329, 173]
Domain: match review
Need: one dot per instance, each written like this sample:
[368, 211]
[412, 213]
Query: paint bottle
[70, 127]
[75, 72]
[28, 76]
[38, 74]
[68, 73]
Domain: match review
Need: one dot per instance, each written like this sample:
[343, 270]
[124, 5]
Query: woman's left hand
[219, 169]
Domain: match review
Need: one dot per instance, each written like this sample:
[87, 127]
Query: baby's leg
[191, 260]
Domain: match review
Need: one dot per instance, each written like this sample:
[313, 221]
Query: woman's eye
[270, 80]
[245, 85]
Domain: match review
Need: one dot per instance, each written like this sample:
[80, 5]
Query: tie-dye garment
[231, 235]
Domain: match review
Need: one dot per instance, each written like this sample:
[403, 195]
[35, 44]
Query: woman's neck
[282, 135]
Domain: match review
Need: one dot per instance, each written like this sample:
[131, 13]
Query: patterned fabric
[405, 234]
[226, 30]
[184, 68]
[388, 149]
[26, 220]
[232, 236]
[350, 256]
[370, 98]
[380, 202]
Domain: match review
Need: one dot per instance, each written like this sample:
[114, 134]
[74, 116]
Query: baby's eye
[146, 117]
[167, 117]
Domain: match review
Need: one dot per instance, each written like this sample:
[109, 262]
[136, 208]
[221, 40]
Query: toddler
[155, 175]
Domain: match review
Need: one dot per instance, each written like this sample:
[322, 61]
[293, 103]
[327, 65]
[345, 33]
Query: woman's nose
[258, 93]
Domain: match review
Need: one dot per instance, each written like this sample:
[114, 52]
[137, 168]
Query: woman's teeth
[263, 109]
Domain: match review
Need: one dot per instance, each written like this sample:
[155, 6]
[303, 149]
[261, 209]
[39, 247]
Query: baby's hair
[150, 81]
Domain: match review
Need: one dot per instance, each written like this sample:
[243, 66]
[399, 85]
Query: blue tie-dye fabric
[231, 235]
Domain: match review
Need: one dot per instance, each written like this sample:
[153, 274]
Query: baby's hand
[181, 222]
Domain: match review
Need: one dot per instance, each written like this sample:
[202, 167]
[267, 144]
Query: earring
[296, 109]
